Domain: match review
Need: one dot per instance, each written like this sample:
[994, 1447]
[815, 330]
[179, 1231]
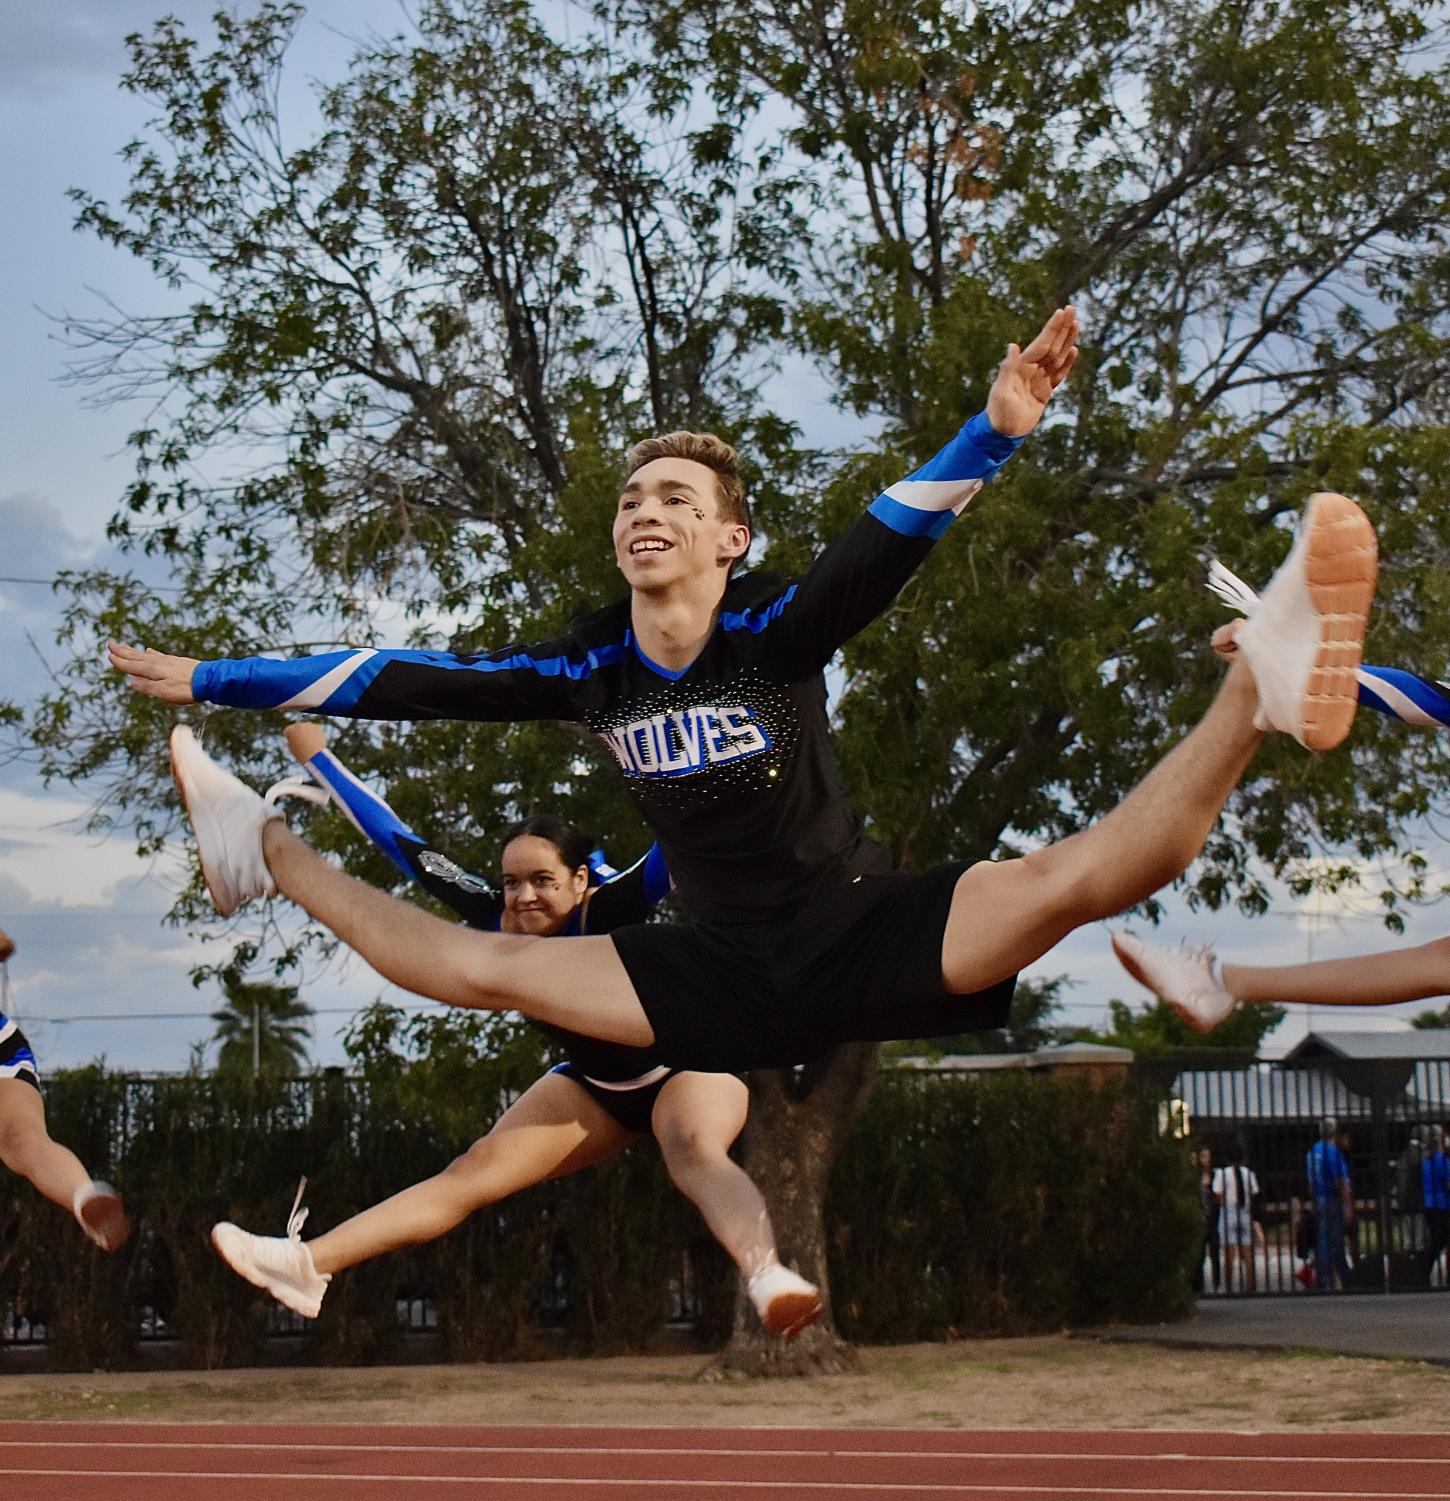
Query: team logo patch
[687, 741]
[449, 870]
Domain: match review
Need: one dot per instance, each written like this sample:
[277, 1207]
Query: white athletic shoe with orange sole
[227, 818]
[785, 1301]
[1304, 636]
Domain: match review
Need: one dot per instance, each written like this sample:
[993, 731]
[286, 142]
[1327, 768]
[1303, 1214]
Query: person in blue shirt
[1329, 1186]
[1435, 1191]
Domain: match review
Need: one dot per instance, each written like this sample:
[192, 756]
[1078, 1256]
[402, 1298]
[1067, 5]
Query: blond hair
[700, 448]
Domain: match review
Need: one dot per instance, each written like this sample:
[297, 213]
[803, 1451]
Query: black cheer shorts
[16, 1059]
[632, 1106]
[860, 963]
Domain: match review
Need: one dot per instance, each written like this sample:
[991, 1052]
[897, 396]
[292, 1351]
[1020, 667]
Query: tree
[261, 1029]
[1157, 1029]
[407, 350]
[1430, 1021]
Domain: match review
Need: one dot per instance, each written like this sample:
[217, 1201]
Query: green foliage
[262, 1028]
[1007, 1203]
[416, 342]
[1156, 1029]
[978, 1206]
[1430, 1021]
[435, 323]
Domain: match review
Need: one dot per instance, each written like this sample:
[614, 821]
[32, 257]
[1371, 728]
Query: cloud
[46, 49]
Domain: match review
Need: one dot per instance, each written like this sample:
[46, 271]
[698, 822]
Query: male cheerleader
[709, 690]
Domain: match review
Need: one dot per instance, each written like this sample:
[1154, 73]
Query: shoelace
[298, 1218]
[298, 787]
[1231, 589]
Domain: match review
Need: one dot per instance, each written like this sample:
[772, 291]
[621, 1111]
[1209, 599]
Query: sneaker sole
[105, 1221]
[247, 1274]
[223, 898]
[789, 1313]
[1130, 963]
[1341, 565]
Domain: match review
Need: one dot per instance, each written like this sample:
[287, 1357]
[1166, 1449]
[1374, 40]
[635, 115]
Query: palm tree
[261, 1029]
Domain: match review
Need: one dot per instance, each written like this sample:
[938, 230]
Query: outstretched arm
[473, 897]
[522, 682]
[860, 573]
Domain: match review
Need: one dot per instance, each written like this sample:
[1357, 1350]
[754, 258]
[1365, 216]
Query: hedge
[961, 1205]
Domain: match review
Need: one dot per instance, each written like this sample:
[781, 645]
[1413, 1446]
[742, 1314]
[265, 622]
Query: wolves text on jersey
[686, 741]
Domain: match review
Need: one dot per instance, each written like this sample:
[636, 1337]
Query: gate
[1383, 1108]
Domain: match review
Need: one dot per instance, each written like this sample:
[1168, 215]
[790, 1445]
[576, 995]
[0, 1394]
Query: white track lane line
[877, 1488]
[1174, 1456]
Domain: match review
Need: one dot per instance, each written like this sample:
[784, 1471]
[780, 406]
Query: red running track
[333, 1462]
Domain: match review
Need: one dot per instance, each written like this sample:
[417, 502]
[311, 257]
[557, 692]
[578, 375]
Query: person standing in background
[1203, 1164]
[1435, 1194]
[1234, 1188]
[1328, 1174]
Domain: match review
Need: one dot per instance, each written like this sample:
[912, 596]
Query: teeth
[650, 544]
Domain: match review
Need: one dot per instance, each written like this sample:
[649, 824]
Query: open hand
[154, 673]
[1027, 377]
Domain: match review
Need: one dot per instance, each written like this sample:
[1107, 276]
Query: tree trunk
[798, 1120]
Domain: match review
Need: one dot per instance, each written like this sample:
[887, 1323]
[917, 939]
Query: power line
[51, 583]
[159, 1016]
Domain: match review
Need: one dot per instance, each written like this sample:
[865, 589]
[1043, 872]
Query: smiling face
[668, 527]
[539, 889]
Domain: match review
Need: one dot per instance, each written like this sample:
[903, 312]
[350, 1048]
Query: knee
[687, 1149]
[467, 1177]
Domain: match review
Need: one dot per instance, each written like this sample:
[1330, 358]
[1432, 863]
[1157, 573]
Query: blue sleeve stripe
[910, 521]
[336, 681]
[656, 875]
[944, 485]
[1402, 695]
[267, 683]
[977, 452]
[756, 621]
[365, 810]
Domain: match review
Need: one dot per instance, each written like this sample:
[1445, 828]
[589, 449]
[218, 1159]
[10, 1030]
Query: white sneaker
[1182, 976]
[227, 817]
[1305, 633]
[100, 1213]
[278, 1264]
[785, 1301]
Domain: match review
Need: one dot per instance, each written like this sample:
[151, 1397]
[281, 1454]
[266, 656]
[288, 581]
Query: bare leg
[1008, 914]
[27, 1150]
[552, 1129]
[578, 983]
[1414, 974]
[696, 1119]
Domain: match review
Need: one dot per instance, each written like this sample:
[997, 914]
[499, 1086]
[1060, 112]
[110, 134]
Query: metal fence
[1268, 1115]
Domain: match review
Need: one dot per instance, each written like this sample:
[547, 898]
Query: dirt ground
[1049, 1382]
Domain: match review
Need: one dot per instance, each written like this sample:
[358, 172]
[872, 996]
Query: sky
[98, 974]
